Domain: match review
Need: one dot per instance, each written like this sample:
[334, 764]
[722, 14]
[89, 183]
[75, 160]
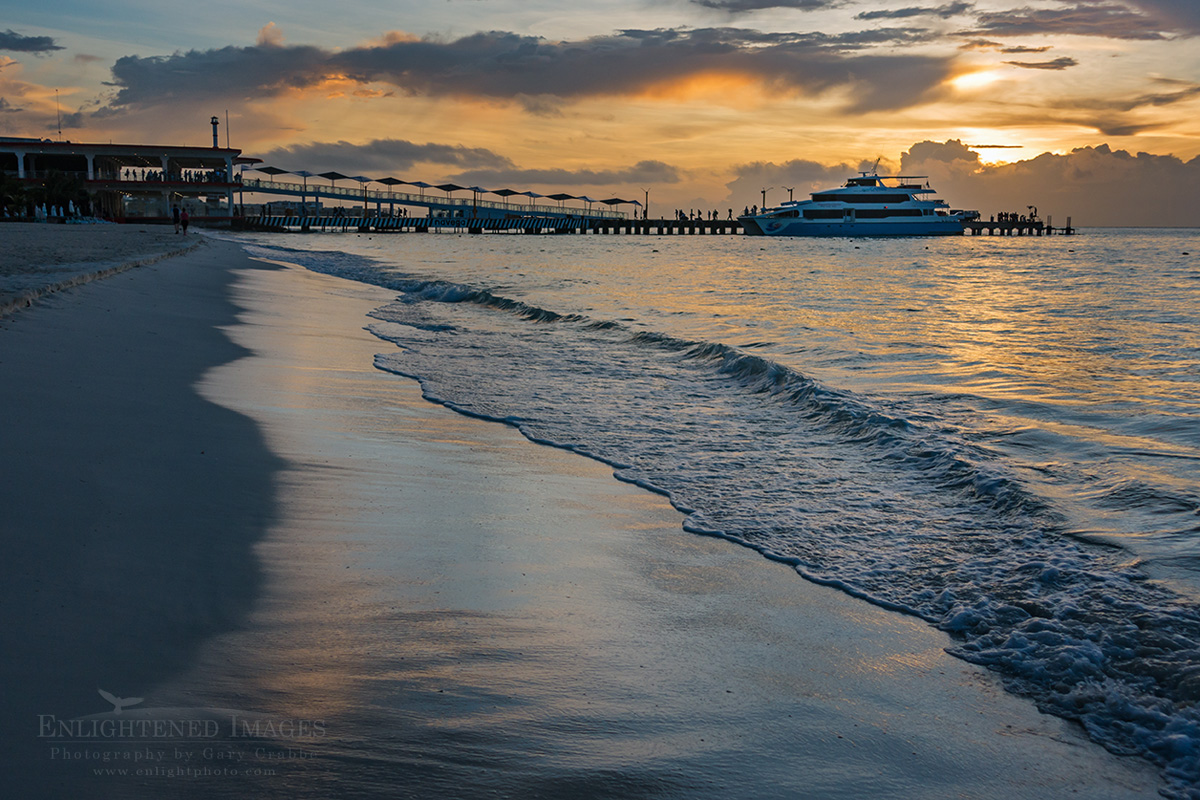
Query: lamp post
[646, 208]
[764, 194]
[790, 189]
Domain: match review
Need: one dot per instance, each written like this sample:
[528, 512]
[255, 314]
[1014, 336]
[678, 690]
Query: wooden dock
[576, 225]
[386, 224]
[1034, 227]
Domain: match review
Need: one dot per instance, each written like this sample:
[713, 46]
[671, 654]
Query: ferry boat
[869, 205]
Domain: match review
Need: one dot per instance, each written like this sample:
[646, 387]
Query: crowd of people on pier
[184, 176]
[697, 215]
[1013, 218]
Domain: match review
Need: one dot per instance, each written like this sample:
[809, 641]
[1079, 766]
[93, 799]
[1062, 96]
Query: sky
[1088, 108]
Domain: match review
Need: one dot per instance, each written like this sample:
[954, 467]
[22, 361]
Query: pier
[1023, 227]
[568, 223]
[564, 223]
[448, 206]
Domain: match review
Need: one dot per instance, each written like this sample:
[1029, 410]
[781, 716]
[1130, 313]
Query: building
[127, 182]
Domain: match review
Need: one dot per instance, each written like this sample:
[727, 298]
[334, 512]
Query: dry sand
[38, 258]
[276, 530]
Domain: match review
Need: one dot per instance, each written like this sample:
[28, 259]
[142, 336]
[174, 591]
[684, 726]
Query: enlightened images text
[51, 727]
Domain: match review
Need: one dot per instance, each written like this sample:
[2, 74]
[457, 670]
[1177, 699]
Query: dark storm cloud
[511, 66]
[1064, 62]
[14, 42]
[643, 172]
[1105, 19]
[7, 107]
[235, 72]
[380, 157]
[1182, 16]
[945, 12]
[742, 6]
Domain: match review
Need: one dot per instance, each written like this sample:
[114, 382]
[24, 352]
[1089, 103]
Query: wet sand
[274, 529]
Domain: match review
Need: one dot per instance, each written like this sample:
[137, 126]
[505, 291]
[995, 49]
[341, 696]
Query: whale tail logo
[119, 702]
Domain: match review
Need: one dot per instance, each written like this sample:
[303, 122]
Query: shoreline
[133, 502]
[469, 612]
[43, 259]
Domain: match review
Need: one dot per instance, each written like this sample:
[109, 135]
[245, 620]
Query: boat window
[822, 213]
[858, 199]
[881, 213]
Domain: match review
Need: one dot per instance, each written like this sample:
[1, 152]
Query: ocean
[1000, 436]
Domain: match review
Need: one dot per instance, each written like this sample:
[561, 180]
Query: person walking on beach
[183, 221]
[175, 217]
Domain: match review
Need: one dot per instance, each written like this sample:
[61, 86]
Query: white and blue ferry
[869, 205]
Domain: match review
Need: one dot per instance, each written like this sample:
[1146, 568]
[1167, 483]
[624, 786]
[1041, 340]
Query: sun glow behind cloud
[972, 81]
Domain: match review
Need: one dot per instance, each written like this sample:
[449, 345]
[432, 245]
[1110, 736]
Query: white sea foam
[973, 498]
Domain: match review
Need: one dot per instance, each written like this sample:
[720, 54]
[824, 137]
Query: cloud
[945, 12]
[510, 66]
[1182, 16]
[656, 172]
[744, 6]
[234, 72]
[16, 43]
[380, 156]
[1019, 50]
[1064, 62]
[1094, 185]
[269, 36]
[801, 175]
[1104, 19]
[1113, 116]
[7, 107]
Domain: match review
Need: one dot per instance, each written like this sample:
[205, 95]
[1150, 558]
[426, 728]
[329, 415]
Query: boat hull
[934, 226]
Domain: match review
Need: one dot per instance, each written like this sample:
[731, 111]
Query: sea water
[998, 435]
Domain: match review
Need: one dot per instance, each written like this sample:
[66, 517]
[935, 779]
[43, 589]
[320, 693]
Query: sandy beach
[217, 507]
[40, 258]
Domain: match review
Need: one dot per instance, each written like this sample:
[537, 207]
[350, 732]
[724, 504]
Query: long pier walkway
[1017, 228]
[449, 206]
[528, 224]
[569, 223]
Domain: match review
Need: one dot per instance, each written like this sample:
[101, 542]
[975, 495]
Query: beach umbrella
[390, 183]
[562, 198]
[530, 195]
[505, 193]
[364, 180]
[450, 187]
[333, 177]
[616, 201]
[272, 171]
[475, 192]
[304, 175]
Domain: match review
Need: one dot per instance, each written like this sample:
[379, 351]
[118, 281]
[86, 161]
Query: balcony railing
[154, 178]
[407, 198]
